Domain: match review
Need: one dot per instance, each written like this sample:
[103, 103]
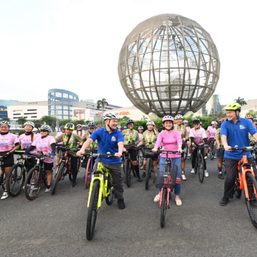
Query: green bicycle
[100, 188]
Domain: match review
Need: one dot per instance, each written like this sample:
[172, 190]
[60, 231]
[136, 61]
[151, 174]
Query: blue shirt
[108, 142]
[237, 135]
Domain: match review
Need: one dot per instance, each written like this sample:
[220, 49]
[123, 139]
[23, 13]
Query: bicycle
[36, 177]
[149, 155]
[169, 181]
[4, 180]
[246, 181]
[199, 162]
[211, 150]
[63, 167]
[100, 188]
[127, 167]
[89, 168]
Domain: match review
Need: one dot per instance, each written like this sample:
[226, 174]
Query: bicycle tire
[92, 211]
[148, 172]
[251, 203]
[200, 168]
[31, 195]
[127, 170]
[163, 207]
[17, 178]
[237, 190]
[88, 173]
[57, 178]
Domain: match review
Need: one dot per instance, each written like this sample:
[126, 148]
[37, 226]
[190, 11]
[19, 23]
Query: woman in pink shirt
[169, 140]
[8, 144]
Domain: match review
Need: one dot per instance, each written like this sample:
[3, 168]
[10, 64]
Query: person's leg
[74, 169]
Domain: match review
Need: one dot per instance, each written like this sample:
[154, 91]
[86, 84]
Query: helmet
[130, 122]
[167, 117]
[31, 123]
[78, 125]
[4, 122]
[69, 126]
[185, 121]
[150, 123]
[179, 117]
[109, 116]
[91, 125]
[233, 107]
[45, 128]
[196, 121]
[61, 127]
[140, 127]
[214, 122]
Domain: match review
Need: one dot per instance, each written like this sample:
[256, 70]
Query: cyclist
[25, 141]
[170, 140]
[220, 151]
[72, 141]
[79, 131]
[198, 137]
[45, 143]
[186, 124]
[140, 133]
[185, 137]
[109, 139]
[8, 144]
[131, 137]
[211, 133]
[149, 140]
[234, 132]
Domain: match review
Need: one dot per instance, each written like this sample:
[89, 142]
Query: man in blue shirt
[234, 132]
[111, 140]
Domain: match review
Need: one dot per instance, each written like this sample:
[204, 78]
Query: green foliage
[21, 120]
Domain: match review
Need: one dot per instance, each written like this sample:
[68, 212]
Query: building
[60, 103]
[29, 110]
[3, 112]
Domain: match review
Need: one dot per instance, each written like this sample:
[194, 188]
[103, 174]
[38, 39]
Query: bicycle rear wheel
[148, 172]
[17, 178]
[59, 173]
[32, 185]
[92, 211]
[251, 203]
[127, 170]
[163, 205]
[200, 168]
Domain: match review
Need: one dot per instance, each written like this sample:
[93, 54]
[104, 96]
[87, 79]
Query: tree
[101, 104]
[21, 120]
[240, 101]
[49, 120]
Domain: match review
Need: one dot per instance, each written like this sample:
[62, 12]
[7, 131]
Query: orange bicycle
[246, 182]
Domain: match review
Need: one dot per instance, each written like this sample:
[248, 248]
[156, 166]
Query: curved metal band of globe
[169, 64]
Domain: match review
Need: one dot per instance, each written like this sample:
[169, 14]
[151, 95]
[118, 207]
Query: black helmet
[196, 121]
[130, 122]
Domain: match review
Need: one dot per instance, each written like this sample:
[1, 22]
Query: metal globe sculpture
[168, 64]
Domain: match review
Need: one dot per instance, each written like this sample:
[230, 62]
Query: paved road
[55, 225]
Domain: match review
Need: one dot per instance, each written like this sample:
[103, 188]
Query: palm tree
[101, 104]
[240, 101]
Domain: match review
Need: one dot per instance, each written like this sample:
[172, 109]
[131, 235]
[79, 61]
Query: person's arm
[179, 141]
[85, 145]
[120, 149]
[16, 147]
[217, 137]
[157, 143]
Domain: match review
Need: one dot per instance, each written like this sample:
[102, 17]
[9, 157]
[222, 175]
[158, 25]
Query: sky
[75, 44]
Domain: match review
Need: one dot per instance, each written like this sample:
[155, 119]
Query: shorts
[48, 166]
[8, 161]
[133, 154]
[220, 153]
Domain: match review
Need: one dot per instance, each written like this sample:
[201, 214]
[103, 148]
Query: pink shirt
[43, 145]
[7, 142]
[170, 141]
[26, 140]
[198, 135]
[211, 132]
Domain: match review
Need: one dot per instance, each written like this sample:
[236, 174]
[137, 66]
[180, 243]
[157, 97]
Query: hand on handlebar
[227, 148]
[80, 153]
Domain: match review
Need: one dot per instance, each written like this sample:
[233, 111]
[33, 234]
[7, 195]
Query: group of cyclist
[176, 136]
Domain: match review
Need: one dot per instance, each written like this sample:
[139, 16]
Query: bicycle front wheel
[163, 205]
[251, 202]
[88, 173]
[32, 185]
[110, 195]
[92, 211]
[17, 178]
[59, 173]
[200, 167]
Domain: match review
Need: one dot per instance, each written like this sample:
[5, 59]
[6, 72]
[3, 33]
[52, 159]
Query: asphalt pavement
[56, 225]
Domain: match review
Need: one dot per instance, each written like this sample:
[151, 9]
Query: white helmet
[179, 117]
[167, 117]
[31, 123]
[150, 123]
[46, 128]
[109, 116]
[4, 122]
[213, 122]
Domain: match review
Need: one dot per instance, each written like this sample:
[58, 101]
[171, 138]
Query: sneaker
[183, 176]
[193, 171]
[121, 204]
[224, 201]
[47, 190]
[178, 201]
[4, 195]
[220, 175]
[157, 198]
[206, 173]
[144, 174]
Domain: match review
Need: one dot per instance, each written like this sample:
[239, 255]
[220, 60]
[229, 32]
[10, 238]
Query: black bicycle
[199, 162]
[4, 183]
[36, 177]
